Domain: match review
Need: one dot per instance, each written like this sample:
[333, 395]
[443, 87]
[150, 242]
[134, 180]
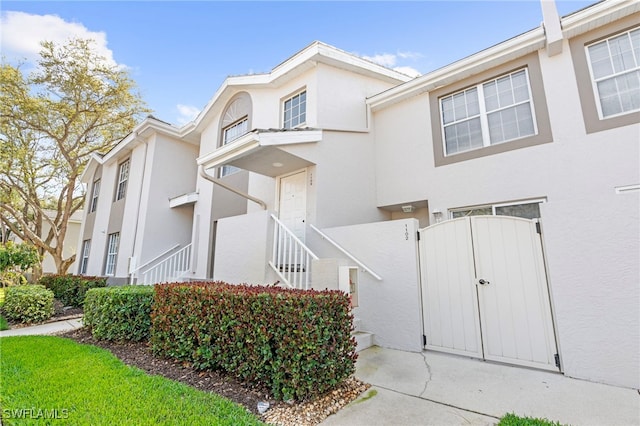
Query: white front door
[485, 290]
[293, 203]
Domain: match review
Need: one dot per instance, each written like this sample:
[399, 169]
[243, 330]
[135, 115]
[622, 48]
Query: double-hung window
[123, 177]
[295, 110]
[95, 191]
[231, 133]
[496, 111]
[112, 253]
[615, 71]
[84, 260]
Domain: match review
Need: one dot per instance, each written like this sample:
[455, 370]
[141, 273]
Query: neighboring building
[130, 213]
[70, 243]
[489, 208]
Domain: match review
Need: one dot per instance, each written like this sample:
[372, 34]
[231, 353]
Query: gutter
[210, 178]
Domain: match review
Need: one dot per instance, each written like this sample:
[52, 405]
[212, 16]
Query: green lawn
[513, 420]
[46, 376]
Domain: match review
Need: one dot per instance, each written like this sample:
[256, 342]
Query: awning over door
[262, 151]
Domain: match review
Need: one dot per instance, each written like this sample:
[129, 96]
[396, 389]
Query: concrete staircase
[364, 339]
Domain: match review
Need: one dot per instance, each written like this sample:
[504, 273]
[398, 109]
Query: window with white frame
[231, 133]
[526, 209]
[295, 110]
[95, 191]
[123, 177]
[496, 111]
[615, 71]
[112, 253]
[84, 260]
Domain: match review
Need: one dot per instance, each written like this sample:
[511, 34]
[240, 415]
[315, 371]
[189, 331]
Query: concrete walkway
[432, 388]
[42, 329]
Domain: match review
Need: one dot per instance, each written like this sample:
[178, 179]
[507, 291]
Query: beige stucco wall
[590, 233]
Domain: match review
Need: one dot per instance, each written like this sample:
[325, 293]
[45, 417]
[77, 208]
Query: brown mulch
[307, 413]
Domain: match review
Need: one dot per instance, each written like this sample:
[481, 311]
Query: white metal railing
[172, 268]
[134, 273]
[290, 259]
[349, 255]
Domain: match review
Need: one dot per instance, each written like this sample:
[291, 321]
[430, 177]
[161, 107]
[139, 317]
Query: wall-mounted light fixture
[408, 209]
[437, 215]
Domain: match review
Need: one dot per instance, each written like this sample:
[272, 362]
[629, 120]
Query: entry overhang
[260, 151]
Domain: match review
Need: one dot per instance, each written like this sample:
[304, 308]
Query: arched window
[235, 122]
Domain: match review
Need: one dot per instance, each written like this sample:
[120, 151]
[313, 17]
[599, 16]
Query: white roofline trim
[511, 49]
[312, 54]
[597, 14]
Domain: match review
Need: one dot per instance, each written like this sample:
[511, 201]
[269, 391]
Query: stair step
[364, 340]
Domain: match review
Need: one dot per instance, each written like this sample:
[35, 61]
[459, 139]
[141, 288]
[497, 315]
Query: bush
[71, 289]
[297, 343]
[119, 313]
[28, 303]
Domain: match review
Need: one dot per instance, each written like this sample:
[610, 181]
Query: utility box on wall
[348, 282]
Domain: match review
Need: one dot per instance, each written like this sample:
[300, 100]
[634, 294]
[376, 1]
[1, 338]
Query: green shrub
[4, 325]
[28, 303]
[297, 343]
[119, 313]
[71, 289]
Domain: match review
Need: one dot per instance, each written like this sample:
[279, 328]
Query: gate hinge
[538, 229]
[557, 358]
[424, 340]
[418, 235]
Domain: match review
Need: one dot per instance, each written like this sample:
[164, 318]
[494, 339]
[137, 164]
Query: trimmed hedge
[71, 289]
[297, 343]
[119, 313]
[28, 303]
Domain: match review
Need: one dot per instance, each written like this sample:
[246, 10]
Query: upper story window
[95, 191]
[231, 133]
[123, 177]
[489, 113]
[84, 260]
[112, 254]
[295, 110]
[615, 72]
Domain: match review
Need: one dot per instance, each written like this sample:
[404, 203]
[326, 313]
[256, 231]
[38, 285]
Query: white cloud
[411, 72]
[385, 59]
[187, 113]
[21, 34]
[410, 55]
[390, 60]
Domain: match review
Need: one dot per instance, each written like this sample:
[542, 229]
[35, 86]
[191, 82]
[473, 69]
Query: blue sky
[179, 53]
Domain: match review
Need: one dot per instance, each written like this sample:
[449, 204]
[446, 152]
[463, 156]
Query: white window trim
[95, 192]
[84, 261]
[594, 83]
[228, 170]
[112, 253]
[484, 116]
[123, 181]
[290, 97]
[496, 205]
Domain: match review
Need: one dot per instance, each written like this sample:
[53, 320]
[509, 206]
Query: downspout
[210, 178]
[135, 233]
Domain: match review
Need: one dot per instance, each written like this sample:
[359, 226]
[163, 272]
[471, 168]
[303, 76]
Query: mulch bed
[306, 413]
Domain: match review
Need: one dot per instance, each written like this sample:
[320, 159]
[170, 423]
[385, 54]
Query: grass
[513, 420]
[52, 377]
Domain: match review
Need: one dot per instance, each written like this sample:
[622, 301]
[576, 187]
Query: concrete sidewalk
[43, 329]
[431, 388]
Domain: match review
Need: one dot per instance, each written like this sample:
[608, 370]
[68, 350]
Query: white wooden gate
[485, 291]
